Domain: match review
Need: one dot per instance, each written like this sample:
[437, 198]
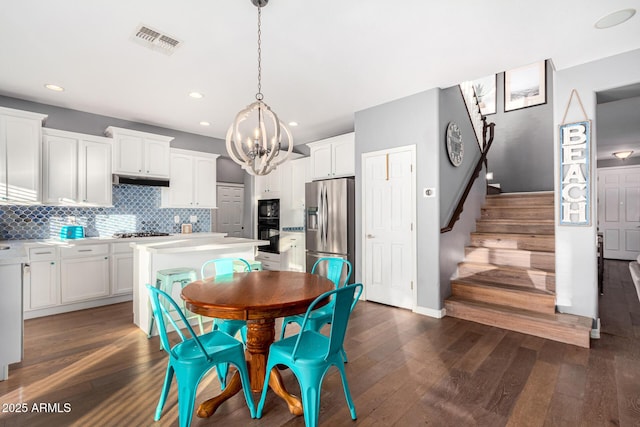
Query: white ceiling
[322, 60]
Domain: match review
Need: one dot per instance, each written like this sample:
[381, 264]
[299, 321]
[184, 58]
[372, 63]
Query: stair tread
[517, 269]
[509, 250]
[516, 221]
[513, 235]
[541, 194]
[568, 320]
[487, 283]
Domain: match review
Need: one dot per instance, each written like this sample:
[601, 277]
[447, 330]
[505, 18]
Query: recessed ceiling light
[293, 124]
[196, 95]
[205, 123]
[55, 88]
[615, 18]
[623, 154]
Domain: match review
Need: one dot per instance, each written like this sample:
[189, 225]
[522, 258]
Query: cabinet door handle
[85, 250]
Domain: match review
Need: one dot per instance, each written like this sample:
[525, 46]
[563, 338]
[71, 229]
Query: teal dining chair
[337, 270]
[220, 268]
[192, 358]
[309, 354]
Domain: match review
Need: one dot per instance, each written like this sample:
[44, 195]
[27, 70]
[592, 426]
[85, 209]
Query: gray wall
[453, 180]
[408, 121]
[521, 156]
[576, 267]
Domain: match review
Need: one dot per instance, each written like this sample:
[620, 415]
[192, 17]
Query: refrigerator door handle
[320, 217]
[326, 218]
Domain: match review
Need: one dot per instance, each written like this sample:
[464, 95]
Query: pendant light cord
[259, 95]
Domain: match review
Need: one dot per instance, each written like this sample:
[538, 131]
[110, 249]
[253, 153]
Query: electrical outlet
[429, 192]
[193, 218]
[176, 219]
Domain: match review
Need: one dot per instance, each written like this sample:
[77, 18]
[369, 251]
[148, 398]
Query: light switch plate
[176, 219]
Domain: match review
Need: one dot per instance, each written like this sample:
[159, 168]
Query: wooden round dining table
[259, 297]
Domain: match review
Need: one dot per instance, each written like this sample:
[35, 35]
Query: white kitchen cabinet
[270, 261]
[193, 180]
[41, 279]
[268, 186]
[292, 194]
[20, 154]
[121, 268]
[333, 157]
[292, 255]
[140, 154]
[84, 273]
[77, 168]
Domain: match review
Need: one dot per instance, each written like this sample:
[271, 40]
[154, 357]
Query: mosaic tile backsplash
[135, 208]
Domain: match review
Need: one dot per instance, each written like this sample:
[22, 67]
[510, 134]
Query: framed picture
[525, 86]
[486, 92]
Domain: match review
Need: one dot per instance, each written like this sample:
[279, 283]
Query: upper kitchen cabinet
[333, 157]
[140, 154]
[20, 148]
[268, 186]
[193, 180]
[76, 168]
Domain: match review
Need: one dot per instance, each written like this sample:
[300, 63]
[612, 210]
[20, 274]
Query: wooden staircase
[507, 278]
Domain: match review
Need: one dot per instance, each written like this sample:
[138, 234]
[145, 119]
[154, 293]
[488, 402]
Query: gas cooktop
[133, 234]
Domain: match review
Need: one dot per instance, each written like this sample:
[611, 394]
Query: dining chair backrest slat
[163, 312]
[224, 266]
[342, 301]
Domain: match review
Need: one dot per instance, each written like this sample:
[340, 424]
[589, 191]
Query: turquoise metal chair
[334, 268]
[221, 268]
[165, 279]
[310, 354]
[192, 358]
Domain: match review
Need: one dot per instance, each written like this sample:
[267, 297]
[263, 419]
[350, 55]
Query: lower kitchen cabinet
[86, 275]
[269, 260]
[121, 269]
[41, 279]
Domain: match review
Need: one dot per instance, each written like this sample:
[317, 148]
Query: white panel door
[389, 236]
[230, 210]
[619, 211]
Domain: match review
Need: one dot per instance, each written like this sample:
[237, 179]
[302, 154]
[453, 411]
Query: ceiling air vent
[155, 40]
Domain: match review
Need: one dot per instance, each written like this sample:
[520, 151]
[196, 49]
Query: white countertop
[191, 245]
[17, 252]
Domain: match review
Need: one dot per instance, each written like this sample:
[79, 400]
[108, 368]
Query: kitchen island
[149, 257]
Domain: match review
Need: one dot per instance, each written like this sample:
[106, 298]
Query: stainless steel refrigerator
[330, 215]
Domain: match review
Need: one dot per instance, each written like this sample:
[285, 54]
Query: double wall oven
[269, 224]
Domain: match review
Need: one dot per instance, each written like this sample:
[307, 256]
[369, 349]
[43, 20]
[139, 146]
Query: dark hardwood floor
[94, 368]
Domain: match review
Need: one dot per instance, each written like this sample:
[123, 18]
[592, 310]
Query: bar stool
[165, 279]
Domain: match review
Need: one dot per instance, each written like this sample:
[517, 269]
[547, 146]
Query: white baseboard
[438, 314]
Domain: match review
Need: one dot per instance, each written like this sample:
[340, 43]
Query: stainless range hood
[138, 180]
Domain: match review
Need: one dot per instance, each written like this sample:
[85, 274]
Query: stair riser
[519, 201]
[544, 281]
[525, 259]
[514, 323]
[512, 298]
[489, 227]
[504, 241]
[515, 213]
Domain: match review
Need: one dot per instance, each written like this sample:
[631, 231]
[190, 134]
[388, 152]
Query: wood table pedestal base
[260, 335]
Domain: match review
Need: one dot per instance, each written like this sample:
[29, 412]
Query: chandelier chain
[259, 95]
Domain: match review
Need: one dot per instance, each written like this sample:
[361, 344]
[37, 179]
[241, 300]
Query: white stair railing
[473, 108]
